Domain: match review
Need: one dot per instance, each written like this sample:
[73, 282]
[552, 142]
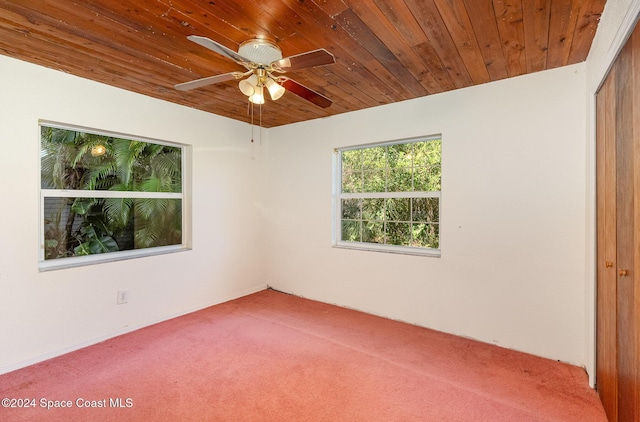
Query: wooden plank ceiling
[386, 50]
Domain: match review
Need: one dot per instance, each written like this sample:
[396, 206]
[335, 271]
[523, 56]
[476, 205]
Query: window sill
[402, 250]
[80, 261]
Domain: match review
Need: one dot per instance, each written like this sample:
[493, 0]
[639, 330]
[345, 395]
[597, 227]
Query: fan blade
[300, 61]
[218, 48]
[209, 81]
[306, 93]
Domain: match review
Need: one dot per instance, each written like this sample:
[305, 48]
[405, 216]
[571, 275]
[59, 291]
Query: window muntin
[107, 196]
[389, 196]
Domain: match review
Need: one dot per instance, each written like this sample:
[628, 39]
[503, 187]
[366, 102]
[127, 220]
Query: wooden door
[618, 209]
[606, 336]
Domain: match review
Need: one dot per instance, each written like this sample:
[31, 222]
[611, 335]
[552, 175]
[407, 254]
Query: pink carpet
[276, 357]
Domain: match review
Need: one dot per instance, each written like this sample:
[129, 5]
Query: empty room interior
[320, 210]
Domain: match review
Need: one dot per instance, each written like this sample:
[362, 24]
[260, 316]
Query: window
[106, 197]
[389, 196]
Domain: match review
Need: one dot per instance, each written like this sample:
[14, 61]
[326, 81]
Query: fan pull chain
[260, 130]
[250, 112]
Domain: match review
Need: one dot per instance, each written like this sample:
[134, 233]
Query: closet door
[618, 191]
[606, 336]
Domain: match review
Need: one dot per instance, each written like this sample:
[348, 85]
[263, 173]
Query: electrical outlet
[123, 297]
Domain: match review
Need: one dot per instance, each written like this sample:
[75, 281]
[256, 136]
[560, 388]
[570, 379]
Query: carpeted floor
[275, 357]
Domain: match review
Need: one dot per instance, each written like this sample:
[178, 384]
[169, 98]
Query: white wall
[512, 270]
[45, 314]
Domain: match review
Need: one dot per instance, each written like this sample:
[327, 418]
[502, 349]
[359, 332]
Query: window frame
[78, 261]
[338, 196]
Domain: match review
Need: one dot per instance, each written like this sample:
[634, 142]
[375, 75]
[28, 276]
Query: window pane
[84, 161]
[351, 209]
[421, 180]
[156, 222]
[352, 181]
[373, 232]
[426, 235]
[374, 158]
[87, 226]
[374, 180]
[351, 161]
[373, 209]
[425, 209]
[428, 179]
[351, 231]
[56, 219]
[427, 153]
[399, 234]
[400, 155]
[400, 180]
[398, 209]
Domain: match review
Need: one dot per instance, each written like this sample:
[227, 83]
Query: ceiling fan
[264, 63]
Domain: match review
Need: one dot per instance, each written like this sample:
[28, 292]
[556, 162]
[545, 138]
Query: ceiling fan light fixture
[258, 96]
[248, 86]
[275, 89]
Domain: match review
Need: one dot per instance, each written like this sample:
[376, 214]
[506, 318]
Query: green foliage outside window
[390, 194]
[95, 222]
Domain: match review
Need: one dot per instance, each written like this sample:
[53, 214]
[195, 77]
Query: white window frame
[338, 196]
[71, 262]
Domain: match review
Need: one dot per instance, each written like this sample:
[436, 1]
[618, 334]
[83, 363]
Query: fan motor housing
[260, 51]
